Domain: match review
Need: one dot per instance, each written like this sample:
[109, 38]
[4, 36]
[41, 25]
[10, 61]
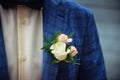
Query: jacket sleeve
[92, 63]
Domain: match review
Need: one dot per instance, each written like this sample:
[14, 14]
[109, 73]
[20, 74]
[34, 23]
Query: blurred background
[107, 16]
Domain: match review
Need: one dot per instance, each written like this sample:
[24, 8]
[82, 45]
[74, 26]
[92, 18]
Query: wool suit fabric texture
[67, 16]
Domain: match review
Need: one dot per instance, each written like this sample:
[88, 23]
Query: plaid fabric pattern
[67, 16]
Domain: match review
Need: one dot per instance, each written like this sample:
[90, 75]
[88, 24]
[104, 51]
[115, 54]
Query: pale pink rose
[74, 50]
[63, 38]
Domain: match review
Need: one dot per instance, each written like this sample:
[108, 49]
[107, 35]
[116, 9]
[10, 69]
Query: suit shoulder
[74, 6]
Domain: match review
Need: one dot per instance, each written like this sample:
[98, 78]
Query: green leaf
[48, 50]
[45, 39]
[76, 63]
[67, 61]
[67, 47]
[45, 46]
[69, 58]
[52, 42]
[52, 39]
[58, 33]
[70, 36]
[55, 61]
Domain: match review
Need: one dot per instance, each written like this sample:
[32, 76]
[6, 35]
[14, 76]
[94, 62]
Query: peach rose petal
[73, 50]
[63, 38]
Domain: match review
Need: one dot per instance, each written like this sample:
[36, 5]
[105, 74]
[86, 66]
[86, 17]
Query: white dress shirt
[23, 37]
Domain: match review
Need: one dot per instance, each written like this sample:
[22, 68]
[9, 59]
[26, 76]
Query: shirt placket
[30, 33]
[21, 24]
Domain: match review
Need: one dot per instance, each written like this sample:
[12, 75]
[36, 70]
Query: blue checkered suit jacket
[67, 16]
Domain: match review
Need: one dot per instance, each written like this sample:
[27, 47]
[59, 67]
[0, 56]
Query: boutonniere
[60, 49]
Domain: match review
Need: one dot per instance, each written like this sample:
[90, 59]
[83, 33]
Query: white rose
[59, 50]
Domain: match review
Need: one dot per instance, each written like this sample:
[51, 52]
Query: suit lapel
[3, 59]
[54, 20]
